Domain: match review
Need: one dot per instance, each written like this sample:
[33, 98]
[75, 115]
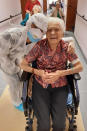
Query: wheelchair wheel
[29, 123]
[72, 128]
[28, 128]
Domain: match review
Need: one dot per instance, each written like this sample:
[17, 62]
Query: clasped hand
[50, 78]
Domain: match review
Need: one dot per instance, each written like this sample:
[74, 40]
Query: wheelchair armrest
[76, 76]
[25, 76]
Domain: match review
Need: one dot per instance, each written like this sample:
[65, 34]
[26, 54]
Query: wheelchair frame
[72, 109]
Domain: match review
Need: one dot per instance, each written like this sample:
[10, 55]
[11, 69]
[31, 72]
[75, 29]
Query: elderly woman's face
[54, 33]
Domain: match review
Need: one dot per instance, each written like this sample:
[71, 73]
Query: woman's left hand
[71, 48]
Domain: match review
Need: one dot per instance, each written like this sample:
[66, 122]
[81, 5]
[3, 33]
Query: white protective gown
[12, 49]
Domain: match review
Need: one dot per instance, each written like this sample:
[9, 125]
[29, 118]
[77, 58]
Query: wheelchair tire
[28, 128]
[74, 128]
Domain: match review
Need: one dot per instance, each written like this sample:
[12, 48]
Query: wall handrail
[11, 16]
[82, 16]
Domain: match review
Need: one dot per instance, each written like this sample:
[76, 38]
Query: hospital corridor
[23, 25]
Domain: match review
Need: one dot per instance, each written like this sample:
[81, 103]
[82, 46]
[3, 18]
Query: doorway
[23, 2]
[71, 14]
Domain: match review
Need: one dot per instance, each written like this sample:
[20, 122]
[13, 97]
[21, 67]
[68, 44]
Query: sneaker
[20, 107]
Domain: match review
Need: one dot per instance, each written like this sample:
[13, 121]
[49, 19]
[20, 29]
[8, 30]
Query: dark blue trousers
[49, 102]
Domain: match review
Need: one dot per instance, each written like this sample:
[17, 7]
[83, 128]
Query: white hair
[56, 21]
[37, 7]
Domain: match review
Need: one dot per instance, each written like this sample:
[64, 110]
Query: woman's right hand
[46, 77]
[40, 73]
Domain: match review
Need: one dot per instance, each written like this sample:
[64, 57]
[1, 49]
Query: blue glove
[23, 23]
[20, 107]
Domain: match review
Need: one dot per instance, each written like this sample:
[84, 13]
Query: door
[45, 6]
[71, 14]
[23, 2]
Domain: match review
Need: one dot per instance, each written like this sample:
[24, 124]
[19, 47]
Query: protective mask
[31, 38]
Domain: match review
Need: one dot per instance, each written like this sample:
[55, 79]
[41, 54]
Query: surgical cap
[40, 20]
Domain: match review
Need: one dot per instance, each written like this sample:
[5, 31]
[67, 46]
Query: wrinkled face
[54, 33]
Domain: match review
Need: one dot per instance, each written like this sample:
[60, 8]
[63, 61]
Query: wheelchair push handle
[77, 76]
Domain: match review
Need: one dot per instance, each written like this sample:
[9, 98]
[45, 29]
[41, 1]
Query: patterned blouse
[50, 62]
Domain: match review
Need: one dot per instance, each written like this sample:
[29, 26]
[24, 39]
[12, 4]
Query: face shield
[40, 21]
[34, 34]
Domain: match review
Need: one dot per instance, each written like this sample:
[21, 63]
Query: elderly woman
[50, 86]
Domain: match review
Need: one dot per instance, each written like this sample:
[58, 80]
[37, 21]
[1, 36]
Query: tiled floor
[2, 83]
[16, 120]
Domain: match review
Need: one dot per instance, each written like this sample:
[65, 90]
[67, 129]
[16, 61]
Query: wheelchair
[72, 101]
[72, 104]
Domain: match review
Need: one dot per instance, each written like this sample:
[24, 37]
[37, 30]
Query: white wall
[10, 23]
[41, 2]
[81, 26]
[82, 7]
[50, 1]
[9, 7]
[65, 10]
